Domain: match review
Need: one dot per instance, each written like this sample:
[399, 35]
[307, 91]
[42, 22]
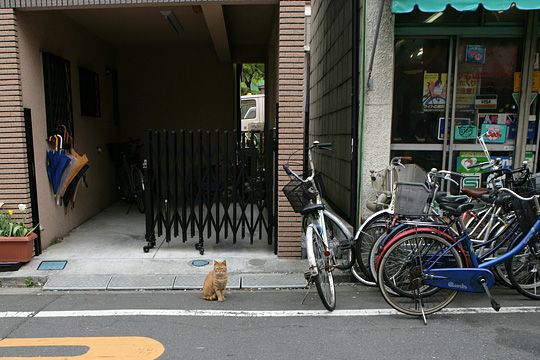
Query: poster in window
[468, 86]
[535, 84]
[508, 119]
[475, 54]
[494, 133]
[434, 92]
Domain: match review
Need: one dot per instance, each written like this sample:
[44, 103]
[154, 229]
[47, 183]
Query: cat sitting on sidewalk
[216, 282]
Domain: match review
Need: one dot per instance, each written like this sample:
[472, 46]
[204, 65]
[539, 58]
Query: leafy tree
[252, 78]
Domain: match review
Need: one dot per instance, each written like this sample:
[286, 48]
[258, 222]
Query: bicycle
[130, 179]
[318, 222]
[428, 270]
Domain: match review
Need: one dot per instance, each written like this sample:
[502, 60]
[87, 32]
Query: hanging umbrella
[72, 187]
[71, 172]
[57, 162]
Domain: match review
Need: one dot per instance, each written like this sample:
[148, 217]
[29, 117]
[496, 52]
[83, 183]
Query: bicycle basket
[411, 199]
[298, 194]
[525, 212]
[530, 187]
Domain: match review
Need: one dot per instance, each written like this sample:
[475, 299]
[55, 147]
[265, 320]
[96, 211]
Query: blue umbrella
[57, 162]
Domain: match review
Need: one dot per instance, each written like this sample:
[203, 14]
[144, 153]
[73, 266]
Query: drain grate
[200, 263]
[52, 265]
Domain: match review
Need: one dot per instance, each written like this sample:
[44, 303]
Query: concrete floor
[111, 243]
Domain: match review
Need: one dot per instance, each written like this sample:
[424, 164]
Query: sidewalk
[105, 253]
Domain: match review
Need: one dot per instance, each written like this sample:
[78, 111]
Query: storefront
[459, 72]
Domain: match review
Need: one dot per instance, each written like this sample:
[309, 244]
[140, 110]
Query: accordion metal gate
[209, 184]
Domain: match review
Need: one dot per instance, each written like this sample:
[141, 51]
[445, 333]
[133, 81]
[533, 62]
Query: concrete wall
[378, 101]
[53, 32]
[330, 96]
[174, 87]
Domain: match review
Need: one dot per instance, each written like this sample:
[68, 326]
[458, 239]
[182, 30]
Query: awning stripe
[406, 6]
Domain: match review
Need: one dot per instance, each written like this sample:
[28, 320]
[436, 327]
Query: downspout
[355, 146]
[360, 129]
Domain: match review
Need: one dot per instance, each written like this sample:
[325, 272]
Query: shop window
[58, 99]
[420, 89]
[89, 91]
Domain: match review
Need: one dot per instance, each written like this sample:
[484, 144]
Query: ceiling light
[173, 21]
[433, 17]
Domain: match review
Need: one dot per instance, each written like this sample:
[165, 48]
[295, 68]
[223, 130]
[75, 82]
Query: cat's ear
[224, 262]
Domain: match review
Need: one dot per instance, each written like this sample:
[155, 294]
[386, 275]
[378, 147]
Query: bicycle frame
[467, 279]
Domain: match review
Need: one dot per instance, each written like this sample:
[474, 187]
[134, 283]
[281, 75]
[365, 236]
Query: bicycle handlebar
[519, 196]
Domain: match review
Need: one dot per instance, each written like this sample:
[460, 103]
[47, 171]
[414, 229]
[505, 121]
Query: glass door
[485, 101]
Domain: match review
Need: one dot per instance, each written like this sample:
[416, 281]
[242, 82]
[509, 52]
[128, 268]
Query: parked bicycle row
[424, 245]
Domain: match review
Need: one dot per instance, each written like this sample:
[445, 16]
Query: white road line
[255, 313]
[16, 314]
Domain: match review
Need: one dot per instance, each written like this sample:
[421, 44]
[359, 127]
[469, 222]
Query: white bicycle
[322, 256]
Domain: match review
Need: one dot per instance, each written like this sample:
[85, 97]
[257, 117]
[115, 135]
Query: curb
[23, 281]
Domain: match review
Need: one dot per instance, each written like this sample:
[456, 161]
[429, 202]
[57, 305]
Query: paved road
[273, 329]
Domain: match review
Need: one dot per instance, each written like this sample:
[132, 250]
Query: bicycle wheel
[367, 240]
[523, 269]
[138, 188]
[341, 247]
[401, 269]
[323, 280]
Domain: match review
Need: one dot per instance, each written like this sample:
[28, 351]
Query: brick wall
[291, 118]
[330, 96]
[14, 185]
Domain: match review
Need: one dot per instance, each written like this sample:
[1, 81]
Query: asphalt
[487, 335]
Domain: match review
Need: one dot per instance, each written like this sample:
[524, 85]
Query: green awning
[406, 6]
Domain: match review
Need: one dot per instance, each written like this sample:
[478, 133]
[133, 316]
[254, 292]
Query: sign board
[457, 121]
[535, 85]
[434, 92]
[471, 181]
[465, 132]
[485, 102]
[475, 54]
[494, 133]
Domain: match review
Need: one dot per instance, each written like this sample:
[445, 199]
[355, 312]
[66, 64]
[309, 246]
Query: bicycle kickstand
[309, 279]
[421, 302]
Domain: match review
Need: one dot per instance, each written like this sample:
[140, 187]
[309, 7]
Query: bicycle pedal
[307, 275]
[494, 304]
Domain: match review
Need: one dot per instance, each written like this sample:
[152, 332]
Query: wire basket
[411, 199]
[299, 194]
[530, 187]
[525, 213]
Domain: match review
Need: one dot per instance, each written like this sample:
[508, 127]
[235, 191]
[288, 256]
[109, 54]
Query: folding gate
[209, 184]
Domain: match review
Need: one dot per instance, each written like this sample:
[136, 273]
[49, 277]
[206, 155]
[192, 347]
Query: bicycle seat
[475, 193]
[496, 199]
[311, 208]
[454, 199]
[456, 209]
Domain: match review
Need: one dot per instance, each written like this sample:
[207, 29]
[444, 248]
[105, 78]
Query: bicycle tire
[365, 245]
[324, 282]
[342, 248]
[138, 189]
[397, 268]
[523, 269]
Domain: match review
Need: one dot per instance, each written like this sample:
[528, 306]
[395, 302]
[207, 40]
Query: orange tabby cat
[215, 282]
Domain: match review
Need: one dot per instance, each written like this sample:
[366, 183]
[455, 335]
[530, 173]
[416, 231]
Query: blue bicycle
[422, 273]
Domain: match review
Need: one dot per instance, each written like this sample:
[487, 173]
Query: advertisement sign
[465, 132]
[471, 181]
[458, 122]
[494, 133]
[471, 158]
[434, 92]
[535, 85]
[485, 102]
[475, 54]
[468, 86]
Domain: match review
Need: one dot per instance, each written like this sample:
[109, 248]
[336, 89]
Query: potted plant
[16, 239]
